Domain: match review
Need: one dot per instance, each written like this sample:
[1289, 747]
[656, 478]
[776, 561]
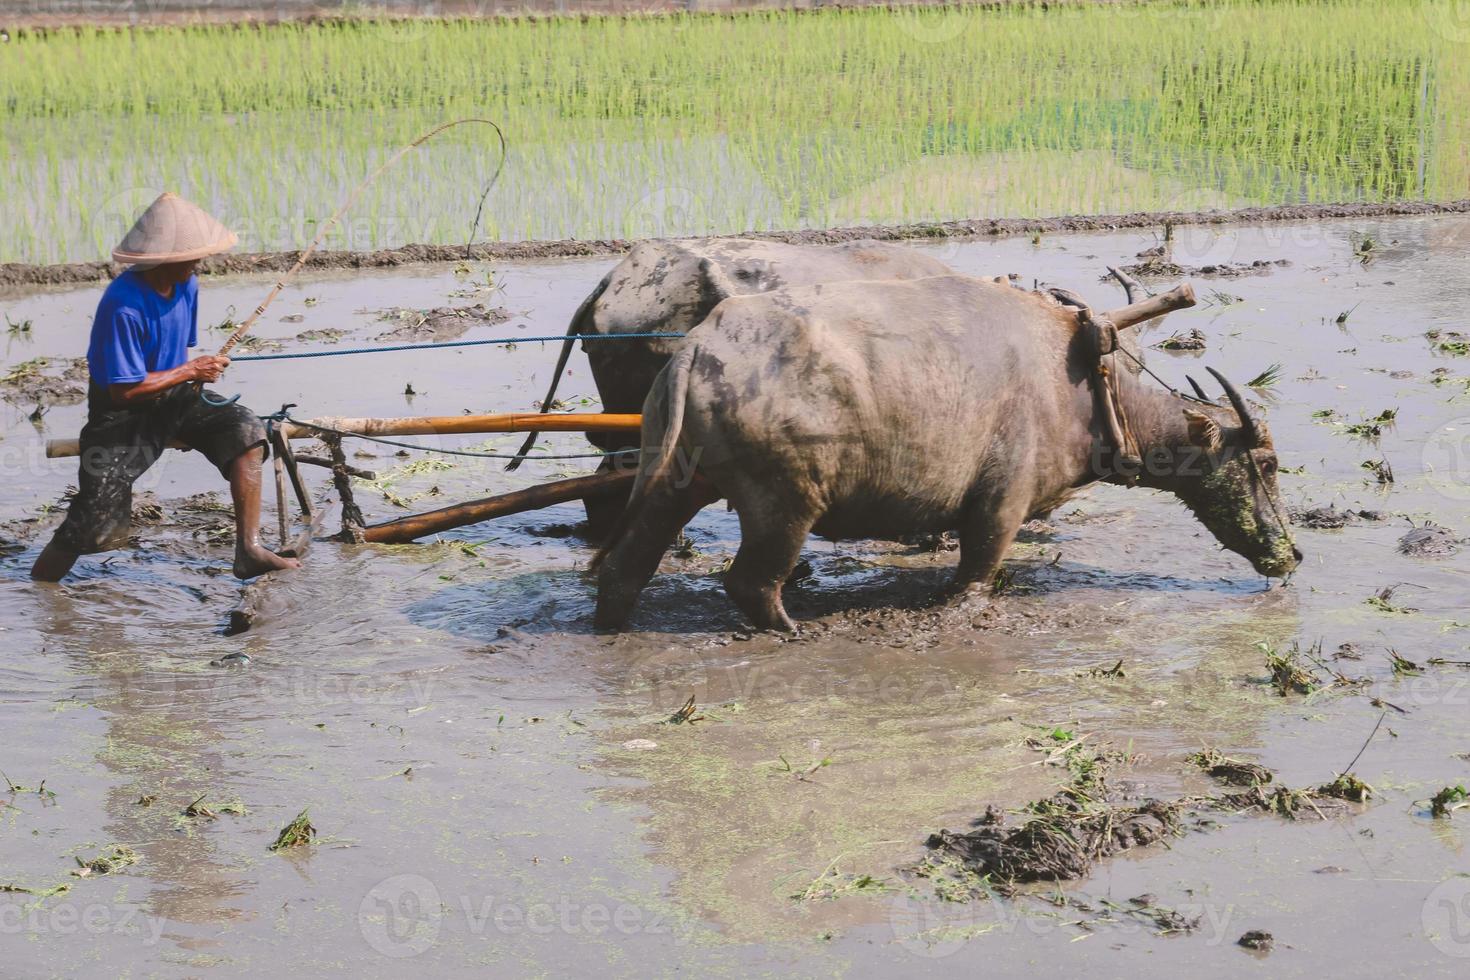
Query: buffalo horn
[1198, 391]
[1237, 401]
[1131, 286]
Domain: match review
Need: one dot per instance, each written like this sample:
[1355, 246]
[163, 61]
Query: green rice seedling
[1267, 378]
[700, 123]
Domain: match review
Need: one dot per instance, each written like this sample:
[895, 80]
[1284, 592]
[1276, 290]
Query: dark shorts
[119, 444]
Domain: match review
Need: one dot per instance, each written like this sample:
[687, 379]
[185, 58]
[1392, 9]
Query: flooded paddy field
[639, 127]
[496, 787]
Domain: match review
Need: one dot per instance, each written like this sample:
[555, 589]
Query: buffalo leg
[641, 546]
[771, 538]
[986, 535]
[604, 509]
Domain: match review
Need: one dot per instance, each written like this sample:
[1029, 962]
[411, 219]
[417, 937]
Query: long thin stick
[244, 328]
[1365, 745]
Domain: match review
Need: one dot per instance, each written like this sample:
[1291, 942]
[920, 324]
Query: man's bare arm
[206, 367]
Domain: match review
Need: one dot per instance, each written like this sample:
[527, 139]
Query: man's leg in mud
[53, 564]
[251, 557]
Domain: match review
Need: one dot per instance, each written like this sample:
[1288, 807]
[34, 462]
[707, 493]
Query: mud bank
[24, 274]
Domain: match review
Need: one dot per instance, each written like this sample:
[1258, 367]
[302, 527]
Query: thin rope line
[1170, 388]
[343, 352]
[240, 331]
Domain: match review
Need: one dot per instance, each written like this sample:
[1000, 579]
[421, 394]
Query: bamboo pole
[430, 425]
[406, 529]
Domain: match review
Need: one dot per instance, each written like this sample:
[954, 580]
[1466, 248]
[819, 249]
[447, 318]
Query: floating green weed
[111, 860]
[1448, 800]
[298, 833]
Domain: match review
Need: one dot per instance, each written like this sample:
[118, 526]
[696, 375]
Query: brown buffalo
[881, 409]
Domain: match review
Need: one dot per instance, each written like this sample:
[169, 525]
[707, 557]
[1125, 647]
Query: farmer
[141, 395]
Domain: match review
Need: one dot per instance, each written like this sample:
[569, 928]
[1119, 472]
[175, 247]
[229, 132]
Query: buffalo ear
[1203, 430]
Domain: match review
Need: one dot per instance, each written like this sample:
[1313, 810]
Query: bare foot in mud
[971, 598]
[257, 560]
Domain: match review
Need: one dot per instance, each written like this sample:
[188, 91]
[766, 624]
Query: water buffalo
[671, 287]
[881, 409]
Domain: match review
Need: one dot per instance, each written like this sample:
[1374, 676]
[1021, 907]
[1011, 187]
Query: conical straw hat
[173, 230]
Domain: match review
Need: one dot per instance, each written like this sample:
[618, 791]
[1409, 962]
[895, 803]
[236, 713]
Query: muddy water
[492, 784]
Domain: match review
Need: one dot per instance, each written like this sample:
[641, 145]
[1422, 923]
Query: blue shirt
[137, 331]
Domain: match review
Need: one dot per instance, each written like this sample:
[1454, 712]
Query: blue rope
[343, 352]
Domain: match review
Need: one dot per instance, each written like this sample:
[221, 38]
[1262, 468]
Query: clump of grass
[1382, 600]
[1448, 800]
[1347, 787]
[1288, 674]
[13, 788]
[298, 833]
[1267, 378]
[1450, 342]
[1372, 428]
[1380, 468]
[1285, 802]
[1115, 672]
[18, 328]
[57, 889]
[833, 884]
[1365, 246]
[111, 860]
[1403, 666]
[1192, 341]
[198, 810]
[687, 713]
[1230, 770]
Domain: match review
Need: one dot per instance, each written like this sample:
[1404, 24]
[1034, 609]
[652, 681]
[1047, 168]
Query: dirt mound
[438, 324]
[1329, 518]
[1430, 540]
[22, 274]
[46, 381]
[1064, 836]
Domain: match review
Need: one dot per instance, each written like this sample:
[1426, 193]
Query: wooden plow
[331, 430]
